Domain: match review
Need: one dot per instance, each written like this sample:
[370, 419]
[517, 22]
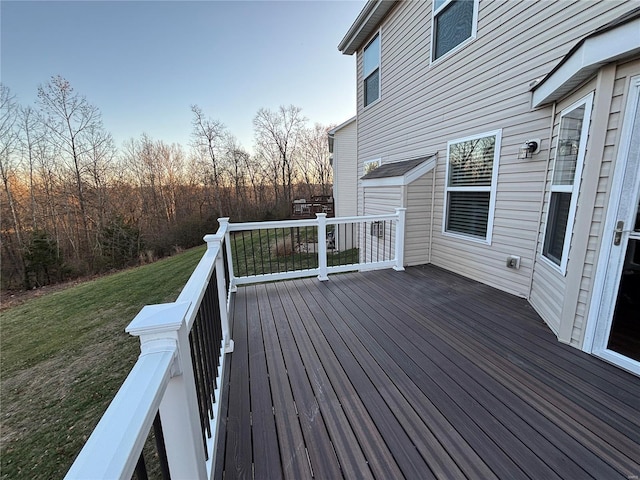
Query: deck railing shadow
[176, 383]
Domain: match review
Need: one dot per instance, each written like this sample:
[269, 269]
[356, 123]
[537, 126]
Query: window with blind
[454, 21]
[371, 70]
[565, 182]
[472, 172]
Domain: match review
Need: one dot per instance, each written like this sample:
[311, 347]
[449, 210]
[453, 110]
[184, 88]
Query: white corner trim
[591, 55]
[425, 167]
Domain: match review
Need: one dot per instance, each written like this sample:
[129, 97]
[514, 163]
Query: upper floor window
[565, 183]
[472, 174]
[371, 70]
[454, 21]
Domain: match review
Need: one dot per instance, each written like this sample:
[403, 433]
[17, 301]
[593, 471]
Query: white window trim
[492, 189]
[474, 31]
[366, 74]
[573, 189]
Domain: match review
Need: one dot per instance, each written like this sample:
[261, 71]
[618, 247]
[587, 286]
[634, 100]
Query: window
[454, 21]
[371, 71]
[472, 172]
[565, 182]
[370, 166]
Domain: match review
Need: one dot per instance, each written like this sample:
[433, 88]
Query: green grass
[64, 355]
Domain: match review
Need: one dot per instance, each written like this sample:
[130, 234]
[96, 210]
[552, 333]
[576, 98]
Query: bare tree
[237, 160]
[8, 141]
[31, 135]
[315, 166]
[208, 136]
[72, 123]
[281, 129]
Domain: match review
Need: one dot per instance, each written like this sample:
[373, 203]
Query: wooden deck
[418, 374]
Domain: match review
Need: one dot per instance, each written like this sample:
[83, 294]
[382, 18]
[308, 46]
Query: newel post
[322, 246]
[400, 226]
[224, 225]
[159, 326]
[214, 244]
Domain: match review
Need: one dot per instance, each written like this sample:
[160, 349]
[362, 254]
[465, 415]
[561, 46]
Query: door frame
[611, 260]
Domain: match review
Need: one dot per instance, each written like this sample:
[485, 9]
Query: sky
[144, 63]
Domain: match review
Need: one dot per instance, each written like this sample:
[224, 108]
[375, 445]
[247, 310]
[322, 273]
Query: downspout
[544, 188]
[433, 201]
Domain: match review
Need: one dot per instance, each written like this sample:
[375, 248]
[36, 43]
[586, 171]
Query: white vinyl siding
[567, 170]
[471, 177]
[379, 201]
[418, 220]
[606, 170]
[549, 288]
[483, 90]
[345, 168]
[454, 22]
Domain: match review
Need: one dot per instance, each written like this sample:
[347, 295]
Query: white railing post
[224, 222]
[213, 242]
[401, 213]
[157, 325]
[322, 246]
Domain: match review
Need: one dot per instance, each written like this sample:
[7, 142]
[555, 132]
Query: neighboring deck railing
[176, 383]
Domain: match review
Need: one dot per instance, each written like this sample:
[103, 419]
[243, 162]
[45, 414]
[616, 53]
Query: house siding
[345, 167]
[623, 74]
[418, 221]
[379, 201]
[564, 301]
[483, 86]
[549, 285]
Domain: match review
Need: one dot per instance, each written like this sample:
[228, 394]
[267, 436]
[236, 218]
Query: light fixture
[529, 148]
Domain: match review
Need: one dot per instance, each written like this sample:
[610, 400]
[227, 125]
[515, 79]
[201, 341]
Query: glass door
[624, 337]
[613, 331]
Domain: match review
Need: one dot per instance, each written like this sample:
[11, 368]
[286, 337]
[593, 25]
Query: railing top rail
[194, 289]
[114, 447]
[237, 227]
[362, 218]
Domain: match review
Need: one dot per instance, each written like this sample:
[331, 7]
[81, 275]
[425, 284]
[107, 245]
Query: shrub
[42, 260]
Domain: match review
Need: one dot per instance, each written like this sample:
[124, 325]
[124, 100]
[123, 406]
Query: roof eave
[366, 23]
[586, 59]
[342, 125]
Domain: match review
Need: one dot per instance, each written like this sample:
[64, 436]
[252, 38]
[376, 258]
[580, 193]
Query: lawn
[64, 355]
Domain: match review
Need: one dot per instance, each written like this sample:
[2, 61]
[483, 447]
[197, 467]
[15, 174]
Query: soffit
[364, 26]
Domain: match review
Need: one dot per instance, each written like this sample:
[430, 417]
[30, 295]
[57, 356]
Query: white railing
[173, 377]
[373, 242]
[183, 343]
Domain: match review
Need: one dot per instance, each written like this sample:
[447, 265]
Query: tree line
[73, 203]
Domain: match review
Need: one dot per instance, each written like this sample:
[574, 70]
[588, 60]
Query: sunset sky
[144, 63]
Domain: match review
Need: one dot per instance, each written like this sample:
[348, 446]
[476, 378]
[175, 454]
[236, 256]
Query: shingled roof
[395, 169]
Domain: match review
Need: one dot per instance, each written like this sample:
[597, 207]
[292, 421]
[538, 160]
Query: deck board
[513, 425]
[416, 374]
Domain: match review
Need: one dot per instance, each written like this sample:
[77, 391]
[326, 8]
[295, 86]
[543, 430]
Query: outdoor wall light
[529, 148]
